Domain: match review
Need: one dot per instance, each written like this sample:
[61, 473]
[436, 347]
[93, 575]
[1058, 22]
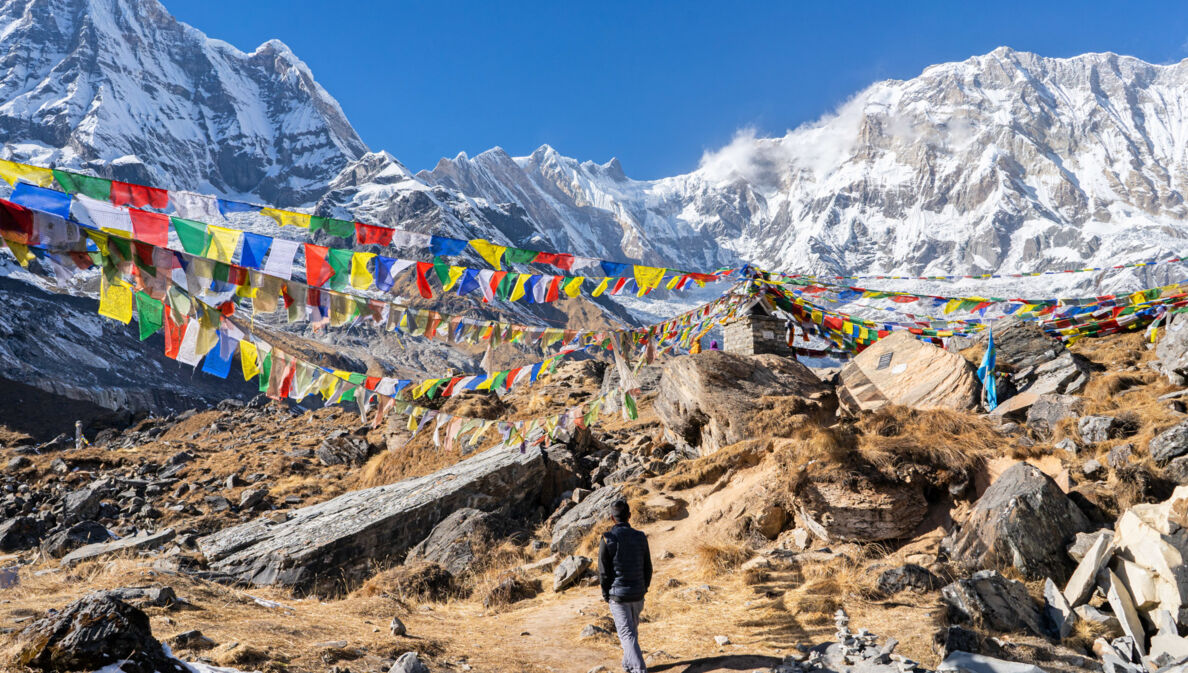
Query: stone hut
[756, 331]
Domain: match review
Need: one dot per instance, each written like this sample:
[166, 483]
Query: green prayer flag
[266, 372]
[121, 245]
[150, 314]
[500, 381]
[340, 260]
[221, 272]
[191, 234]
[442, 269]
[629, 404]
[516, 255]
[504, 290]
[332, 226]
[437, 385]
[73, 183]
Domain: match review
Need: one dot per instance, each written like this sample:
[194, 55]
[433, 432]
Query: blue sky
[655, 84]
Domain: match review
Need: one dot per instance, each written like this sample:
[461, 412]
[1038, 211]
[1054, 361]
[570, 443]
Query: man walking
[625, 569]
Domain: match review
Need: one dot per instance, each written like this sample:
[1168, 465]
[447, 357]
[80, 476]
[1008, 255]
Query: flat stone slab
[330, 546]
[90, 551]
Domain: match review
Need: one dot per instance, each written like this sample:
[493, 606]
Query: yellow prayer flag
[486, 384]
[11, 172]
[208, 338]
[100, 240]
[455, 273]
[287, 217]
[21, 252]
[648, 277]
[952, 305]
[115, 301]
[361, 278]
[601, 287]
[491, 252]
[672, 283]
[518, 289]
[221, 243]
[573, 286]
[248, 362]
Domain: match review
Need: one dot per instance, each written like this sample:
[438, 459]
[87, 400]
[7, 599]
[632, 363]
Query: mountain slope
[122, 88]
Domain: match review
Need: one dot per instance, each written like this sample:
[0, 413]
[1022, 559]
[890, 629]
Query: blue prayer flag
[42, 199]
[255, 247]
[441, 245]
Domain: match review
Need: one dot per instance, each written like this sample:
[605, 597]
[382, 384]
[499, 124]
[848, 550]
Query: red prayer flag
[371, 382]
[554, 289]
[152, 228]
[424, 268]
[173, 335]
[139, 196]
[16, 223]
[370, 234]
[317, 269]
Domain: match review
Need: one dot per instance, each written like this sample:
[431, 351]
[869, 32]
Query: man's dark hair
[620, 511]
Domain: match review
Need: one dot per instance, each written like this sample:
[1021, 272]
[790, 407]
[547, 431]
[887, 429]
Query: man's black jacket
[624, 564]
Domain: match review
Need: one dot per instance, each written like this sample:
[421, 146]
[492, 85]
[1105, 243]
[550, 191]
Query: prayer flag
[286, 217]
[221, 243]
[361, 278]
[370, 234]
[73, 183]
[280, 258]
[255, 248]
[139, 196]
[42, 199]
[150, 314]
[317, 271]
[152, 228]
[248, 361]
[115, 301]
[11, 172]
[443, 246]
[191, 234]
[491, 252]
[227, 206]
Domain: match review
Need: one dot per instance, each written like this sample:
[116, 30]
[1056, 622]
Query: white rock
[1057, 609]
[1123, 606]
[1139, 582]
[722, 641]
[1080, 585]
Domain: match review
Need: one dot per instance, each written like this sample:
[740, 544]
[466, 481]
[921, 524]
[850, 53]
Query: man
[625, 569]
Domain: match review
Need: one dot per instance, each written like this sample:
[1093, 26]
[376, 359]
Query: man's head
[620, 511]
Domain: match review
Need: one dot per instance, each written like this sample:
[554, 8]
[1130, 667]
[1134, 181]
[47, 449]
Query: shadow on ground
[726, 662]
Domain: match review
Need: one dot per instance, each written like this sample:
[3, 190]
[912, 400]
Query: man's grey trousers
[626, 616]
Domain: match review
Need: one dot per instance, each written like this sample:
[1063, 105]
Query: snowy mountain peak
[88, 81]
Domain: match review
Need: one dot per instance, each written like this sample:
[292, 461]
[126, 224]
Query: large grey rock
[968, 662]
[130, 543]
[60, 543]
[343, 448]
[1057, 611]
[409, 662]
[568, 571]
[83, 503]
[1050, 409]
[861, 507]
[457, 540]
[91, 633]
[1169, 444]
[19, 533]
[1024, 520]
[707, 400]
[1096, 429]
[1038, 363]
[329, 546]
[901, 369]
[572, 526]
[991, 599]
[1172, 349]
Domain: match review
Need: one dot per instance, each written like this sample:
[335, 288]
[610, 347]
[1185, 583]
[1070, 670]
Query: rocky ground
[798, 521]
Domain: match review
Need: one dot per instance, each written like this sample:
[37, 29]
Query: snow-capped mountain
[121, 88]
[1003, 162]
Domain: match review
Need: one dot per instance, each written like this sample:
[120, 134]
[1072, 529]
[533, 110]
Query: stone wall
[755, 335]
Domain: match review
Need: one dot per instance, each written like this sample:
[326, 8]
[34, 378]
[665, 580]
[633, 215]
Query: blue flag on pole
[986, 374]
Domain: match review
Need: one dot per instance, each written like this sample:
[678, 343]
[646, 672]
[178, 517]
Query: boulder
[901, 369]
[19, 533]
[1169, 444]
[83, 503]
[60, 543]
[770, 521]
[1176, 471]
[331, 545]
[1155, 538]
[1050, 409]
[1172, 349]
[968, 662]
[572, 526]
[409, 662]
[860, 508]
[1024, 520]
[1038, 364]
[1057, 611]
[707, 400]
[95, 631]
[342, 448]
[130, 543]
[568, 571]
[910, 576]
[457, 540]
[991, 599]
[1096, 429]
[1084, 578]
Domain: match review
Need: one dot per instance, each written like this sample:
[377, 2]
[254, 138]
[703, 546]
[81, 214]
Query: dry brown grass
[720, 557]
[417, 583]
[690, 473]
